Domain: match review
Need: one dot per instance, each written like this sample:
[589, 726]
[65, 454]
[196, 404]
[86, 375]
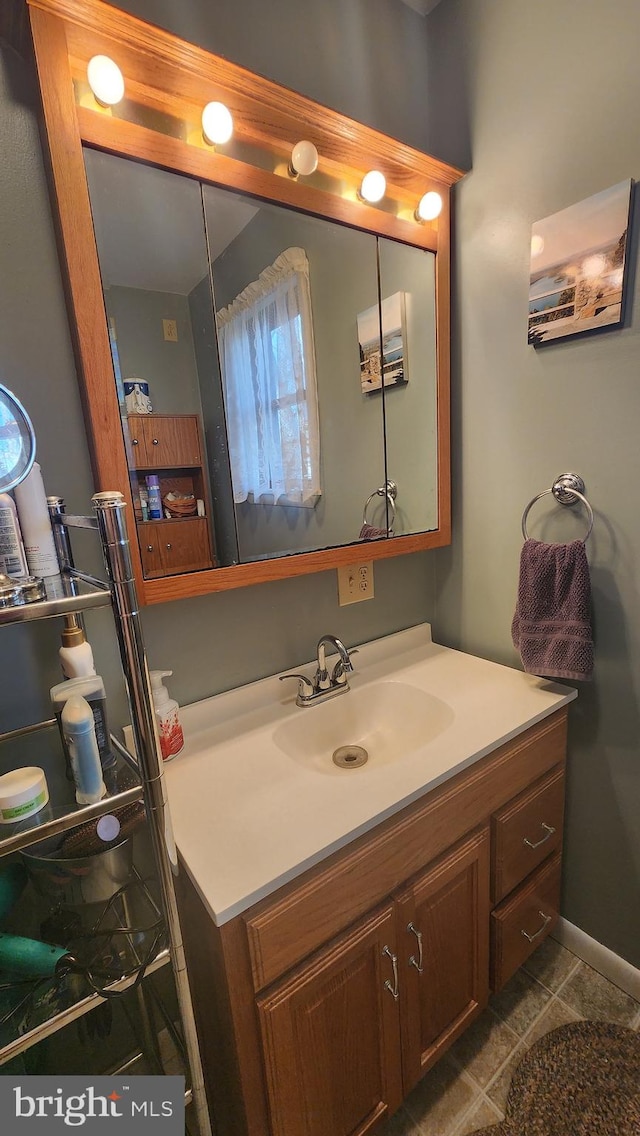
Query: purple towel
[552, 622]
[370, 532]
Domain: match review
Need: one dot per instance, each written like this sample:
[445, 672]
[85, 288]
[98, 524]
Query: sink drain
[350, 757]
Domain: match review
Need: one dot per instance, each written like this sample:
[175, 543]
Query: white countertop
[249, 817]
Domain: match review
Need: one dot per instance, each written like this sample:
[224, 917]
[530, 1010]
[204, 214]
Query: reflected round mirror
[17, 441]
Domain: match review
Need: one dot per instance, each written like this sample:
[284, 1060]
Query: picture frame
[393, 333]
[578, 267]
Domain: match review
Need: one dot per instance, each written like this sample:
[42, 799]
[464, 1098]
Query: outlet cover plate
[355, 582]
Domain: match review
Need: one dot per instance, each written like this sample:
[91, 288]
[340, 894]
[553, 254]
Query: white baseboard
[610, 965]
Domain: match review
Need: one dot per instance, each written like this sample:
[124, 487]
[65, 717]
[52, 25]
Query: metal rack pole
[112, 528]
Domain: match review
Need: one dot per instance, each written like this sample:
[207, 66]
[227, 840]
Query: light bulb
[373, 186]
[429, 206]
[105, 79]
[304, 159]
[217, 124]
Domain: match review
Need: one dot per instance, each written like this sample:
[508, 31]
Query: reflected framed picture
[392, 369]
[578, 267]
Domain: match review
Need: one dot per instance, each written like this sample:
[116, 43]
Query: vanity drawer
[520, 924]
[525, 832]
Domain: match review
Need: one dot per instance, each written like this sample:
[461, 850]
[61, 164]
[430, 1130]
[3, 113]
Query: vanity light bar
[107, 84]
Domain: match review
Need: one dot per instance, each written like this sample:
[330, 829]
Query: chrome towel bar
[388, 490]
[567, 489]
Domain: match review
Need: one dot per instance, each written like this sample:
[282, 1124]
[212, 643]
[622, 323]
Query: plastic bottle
[80, 735]
[37, 534]
[13, 561]
[155, 500]
[167, 709]
[76, 656]
[91, 687]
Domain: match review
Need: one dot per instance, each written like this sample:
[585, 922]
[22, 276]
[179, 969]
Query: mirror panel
[342, 281]
[152, 252]
[408, 313]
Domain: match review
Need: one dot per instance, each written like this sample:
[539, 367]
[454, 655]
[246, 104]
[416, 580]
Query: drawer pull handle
[412, 959]
[155, 441]
[149, 548]
[546, 919]
[548, 832]
[168, 548]
[134, 441]
[392, 988]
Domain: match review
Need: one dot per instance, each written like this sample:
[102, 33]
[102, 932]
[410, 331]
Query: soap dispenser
[169, 728]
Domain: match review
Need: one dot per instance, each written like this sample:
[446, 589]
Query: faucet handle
[303, 682]
[339, 673]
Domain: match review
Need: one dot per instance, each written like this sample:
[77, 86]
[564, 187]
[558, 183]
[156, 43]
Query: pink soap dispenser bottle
[167, 716]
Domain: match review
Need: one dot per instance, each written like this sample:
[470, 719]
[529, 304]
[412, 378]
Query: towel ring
[388, 490]
[567, 489]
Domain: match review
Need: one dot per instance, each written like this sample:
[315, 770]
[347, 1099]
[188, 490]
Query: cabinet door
[331, 1037]
[135, 441]
[443, 945]
[171, 547]
[170, 441]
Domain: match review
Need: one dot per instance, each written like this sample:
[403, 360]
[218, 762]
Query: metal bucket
[82, 879]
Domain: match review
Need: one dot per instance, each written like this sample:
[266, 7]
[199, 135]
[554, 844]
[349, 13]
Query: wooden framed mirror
[166, 241]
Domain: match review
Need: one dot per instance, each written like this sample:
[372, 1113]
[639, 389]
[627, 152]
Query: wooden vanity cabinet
[300, 1028]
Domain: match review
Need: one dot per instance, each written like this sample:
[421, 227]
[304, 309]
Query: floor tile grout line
[481, 1098]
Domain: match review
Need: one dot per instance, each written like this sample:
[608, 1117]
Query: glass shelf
[117, 945]
[40, 745]
[64, 594]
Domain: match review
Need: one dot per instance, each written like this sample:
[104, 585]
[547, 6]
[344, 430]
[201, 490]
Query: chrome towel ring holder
[567, 489]
[388, 490]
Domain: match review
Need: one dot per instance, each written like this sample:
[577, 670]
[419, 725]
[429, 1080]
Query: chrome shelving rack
[76, 591]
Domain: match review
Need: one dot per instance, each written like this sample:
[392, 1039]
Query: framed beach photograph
[578, 262]
[394, 345]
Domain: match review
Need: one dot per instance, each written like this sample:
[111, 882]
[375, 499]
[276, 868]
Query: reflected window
[269, 374]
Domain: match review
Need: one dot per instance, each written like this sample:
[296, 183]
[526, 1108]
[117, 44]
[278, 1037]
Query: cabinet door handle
[412, 960]
[149, 548]
[134, 441]
[546, 919]
[155, 441]
[392, 987]
[548, 832]
[168, 548]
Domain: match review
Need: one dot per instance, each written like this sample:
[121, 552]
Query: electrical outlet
[355, 583]
[170, 330]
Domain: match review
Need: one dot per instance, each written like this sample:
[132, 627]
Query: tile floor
[467, 1089]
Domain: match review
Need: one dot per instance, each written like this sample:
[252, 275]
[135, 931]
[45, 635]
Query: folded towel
[552, 622]
[370, 532]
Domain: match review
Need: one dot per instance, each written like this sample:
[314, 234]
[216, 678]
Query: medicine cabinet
[340, 439]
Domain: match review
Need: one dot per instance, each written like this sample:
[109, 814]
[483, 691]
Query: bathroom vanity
[344, 926]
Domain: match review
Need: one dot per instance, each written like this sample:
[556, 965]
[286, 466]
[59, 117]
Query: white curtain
[268, 367]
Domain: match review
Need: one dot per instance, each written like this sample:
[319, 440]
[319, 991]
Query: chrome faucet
[324, 685]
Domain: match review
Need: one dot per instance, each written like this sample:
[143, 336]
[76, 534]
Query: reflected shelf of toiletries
[41, 746]
[64, 594]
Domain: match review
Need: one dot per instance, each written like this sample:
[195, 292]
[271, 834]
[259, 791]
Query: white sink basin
[390, 720]
[255, 797]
